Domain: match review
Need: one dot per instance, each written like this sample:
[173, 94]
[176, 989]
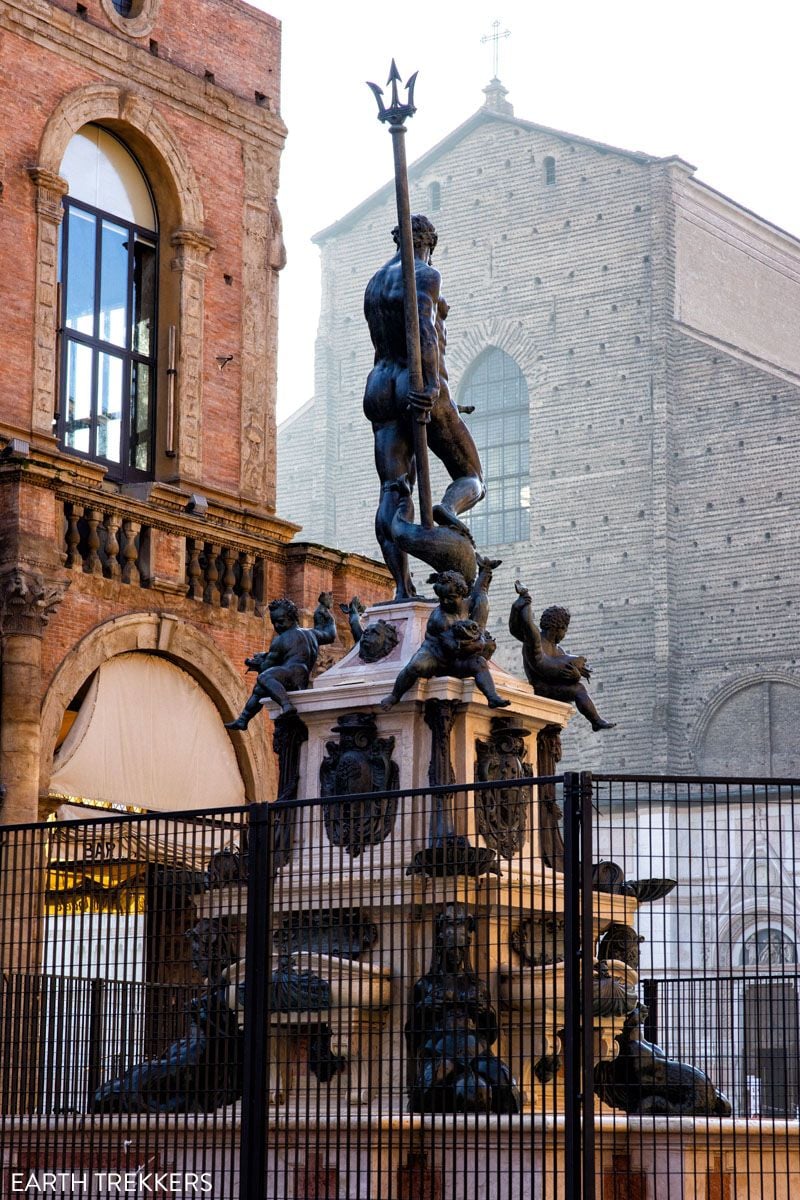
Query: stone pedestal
[363, 856]
[356, 686]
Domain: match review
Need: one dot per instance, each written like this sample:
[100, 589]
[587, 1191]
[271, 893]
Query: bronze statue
[198, 1073]
[642, 1079]
[550, 671]
[450, 1028]
[287, 665]
[375, 640]
[393, 406]
[456, 641]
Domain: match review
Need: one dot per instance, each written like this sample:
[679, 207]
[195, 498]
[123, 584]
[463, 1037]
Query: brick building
[139, 540]
[628, 338]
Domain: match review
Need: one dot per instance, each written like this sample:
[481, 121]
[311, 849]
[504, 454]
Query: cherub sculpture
[550, 671]
[456, 641]
[375, 640]
[287, 665]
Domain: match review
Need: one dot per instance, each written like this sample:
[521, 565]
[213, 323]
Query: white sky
[714, 81]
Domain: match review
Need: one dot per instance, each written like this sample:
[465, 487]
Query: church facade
[139, 540]
[626, 335]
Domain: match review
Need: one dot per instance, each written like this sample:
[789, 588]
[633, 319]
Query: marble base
[353, 685]
[361, 1155]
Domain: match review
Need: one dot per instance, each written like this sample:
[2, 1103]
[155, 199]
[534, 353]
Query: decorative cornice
[42, 178]
[27, 600]
[193, 239]
[50, 188]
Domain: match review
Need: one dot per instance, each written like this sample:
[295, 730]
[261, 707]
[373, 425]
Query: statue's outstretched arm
[479, 597]
[522, 623]
[353, 612]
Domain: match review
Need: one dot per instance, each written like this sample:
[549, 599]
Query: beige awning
[148, 736]
[102, 839]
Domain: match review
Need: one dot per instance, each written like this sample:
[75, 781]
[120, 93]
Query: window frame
[121, 472]
[518, 515]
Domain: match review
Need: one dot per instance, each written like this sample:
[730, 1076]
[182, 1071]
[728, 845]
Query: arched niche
[750, 729]
[188, 648]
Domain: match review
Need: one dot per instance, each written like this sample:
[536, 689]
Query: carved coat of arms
[502, 812]
[359, 763]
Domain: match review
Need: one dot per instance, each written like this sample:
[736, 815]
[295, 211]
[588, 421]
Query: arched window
[549, 170]
[500, 426]
[768, 947]
[108, 273]
[435, 196]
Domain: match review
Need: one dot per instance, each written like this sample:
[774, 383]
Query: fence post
[258, 973]
[573, 1164]
[585, 798]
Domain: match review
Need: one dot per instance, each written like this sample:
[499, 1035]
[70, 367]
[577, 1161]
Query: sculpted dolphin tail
[443, 547]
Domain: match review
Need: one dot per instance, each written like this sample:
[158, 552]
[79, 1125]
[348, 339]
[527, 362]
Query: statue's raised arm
[550, 671]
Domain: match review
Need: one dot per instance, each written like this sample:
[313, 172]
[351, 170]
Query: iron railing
[440, 992]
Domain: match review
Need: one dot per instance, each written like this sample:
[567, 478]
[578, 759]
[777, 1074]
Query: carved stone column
[27, 601]
[191, 252]
[263, 256]
[50, 189]
[548, 756]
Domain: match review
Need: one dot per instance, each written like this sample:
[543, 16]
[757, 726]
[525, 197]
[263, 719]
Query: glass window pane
[478, 527]
[109, 406]
[114, 283]
[495, 430]
[80, 272]
[144, 296]
[140, 417]
[78, 398]
[495, 533]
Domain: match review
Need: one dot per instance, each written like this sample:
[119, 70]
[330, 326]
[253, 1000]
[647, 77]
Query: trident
[396, 115]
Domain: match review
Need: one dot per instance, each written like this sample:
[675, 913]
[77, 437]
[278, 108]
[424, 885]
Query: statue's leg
[271, 684]
[451, 441]
[586, 707]
[251, 709]
[485, 683]
[422, 666]
[393, 459]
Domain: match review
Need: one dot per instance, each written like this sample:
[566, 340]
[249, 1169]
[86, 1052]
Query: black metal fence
[448, 993]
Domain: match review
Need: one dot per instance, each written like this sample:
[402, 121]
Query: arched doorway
[146, 735]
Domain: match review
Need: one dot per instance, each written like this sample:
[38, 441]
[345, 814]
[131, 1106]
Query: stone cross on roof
[495, 37]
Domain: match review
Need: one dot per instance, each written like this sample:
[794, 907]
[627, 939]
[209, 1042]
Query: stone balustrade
[101, 540]
[217, 555]
[115, 537]
[224, 576]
